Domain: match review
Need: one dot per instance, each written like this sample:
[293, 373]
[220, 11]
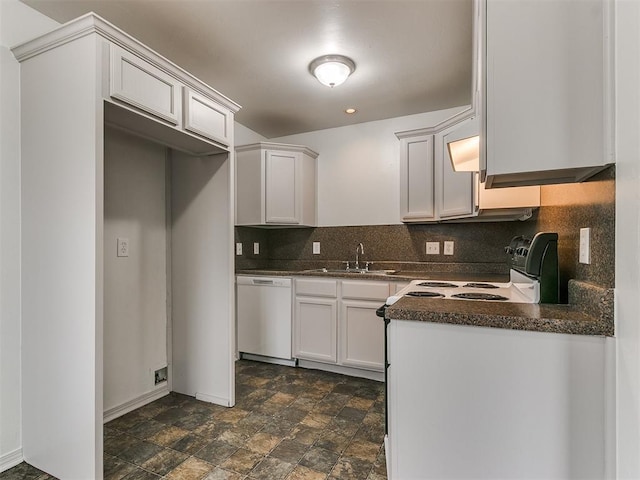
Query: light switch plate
[238, 248]
[433, 248]
[585, 246]
[123, 247]
[256, 248]
[316, 248]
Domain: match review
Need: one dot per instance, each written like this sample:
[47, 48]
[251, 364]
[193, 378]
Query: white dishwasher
[264, 316]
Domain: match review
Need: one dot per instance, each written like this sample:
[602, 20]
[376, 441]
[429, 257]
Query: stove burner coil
[480, 285]
[437, 285]
[479, 296]
[424, 294]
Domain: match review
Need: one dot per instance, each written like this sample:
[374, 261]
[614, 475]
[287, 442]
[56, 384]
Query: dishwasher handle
[264, 281]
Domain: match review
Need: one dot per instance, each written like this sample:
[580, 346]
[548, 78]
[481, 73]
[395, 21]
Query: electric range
[533, 278]
[519, 289]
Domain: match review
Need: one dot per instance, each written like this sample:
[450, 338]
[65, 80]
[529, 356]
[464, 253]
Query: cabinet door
[455, 189]
[548, 91]
[282, 184]
[361, 335]
[144, 86]
[416, 179]
[205, 117]
[315, 327]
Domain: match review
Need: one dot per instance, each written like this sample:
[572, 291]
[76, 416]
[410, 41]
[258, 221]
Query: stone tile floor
[288, 424]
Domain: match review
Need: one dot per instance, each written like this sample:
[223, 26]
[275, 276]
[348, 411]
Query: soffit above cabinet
[285, 147]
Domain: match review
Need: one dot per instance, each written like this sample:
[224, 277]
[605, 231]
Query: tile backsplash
[565, 209]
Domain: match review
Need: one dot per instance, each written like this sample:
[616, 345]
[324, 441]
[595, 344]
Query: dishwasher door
[264, 316]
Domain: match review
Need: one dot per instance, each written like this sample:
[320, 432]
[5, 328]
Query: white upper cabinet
[431, 190]
[417, 195]
[456, 192]
[282, 185]
[548, 90]
[151, 97]
[144, 86]
[275, 185]
[207, 118]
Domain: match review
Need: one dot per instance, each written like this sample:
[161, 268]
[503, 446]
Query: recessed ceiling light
[350, 111]
[332, 70]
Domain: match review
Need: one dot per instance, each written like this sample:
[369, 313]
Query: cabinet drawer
[317, 287]
[205, 117]
[365, 290]
[144, 86]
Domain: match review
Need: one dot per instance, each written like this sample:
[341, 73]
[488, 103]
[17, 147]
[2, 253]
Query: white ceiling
[412, 56]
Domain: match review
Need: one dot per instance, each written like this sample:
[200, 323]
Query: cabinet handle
[262, 282]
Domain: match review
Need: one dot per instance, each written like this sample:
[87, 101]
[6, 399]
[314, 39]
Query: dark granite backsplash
[565, 209]
[474, 243]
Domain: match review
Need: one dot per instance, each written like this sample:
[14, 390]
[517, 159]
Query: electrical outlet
[123, 247]
[316, 248]
[433, 248]
[448, 247]
[256, 248]
[238, 248]
[585, 246]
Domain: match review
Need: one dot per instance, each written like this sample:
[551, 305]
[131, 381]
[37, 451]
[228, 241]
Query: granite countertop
[589, 312]
[569, 319]
[398, 275]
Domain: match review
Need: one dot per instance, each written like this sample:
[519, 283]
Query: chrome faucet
[360, 248]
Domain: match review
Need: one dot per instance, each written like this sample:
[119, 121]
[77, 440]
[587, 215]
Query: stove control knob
[508, 250]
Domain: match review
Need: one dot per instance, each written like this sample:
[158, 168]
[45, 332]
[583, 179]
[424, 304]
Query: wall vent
[160, 375]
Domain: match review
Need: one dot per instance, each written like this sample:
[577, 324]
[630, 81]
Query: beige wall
[135, 287]
[359, 168]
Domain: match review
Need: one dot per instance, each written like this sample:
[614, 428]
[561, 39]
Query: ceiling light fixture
[350, 111]
[332, 70]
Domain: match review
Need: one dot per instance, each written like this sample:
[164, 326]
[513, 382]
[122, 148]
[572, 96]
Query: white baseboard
[352, 372]
[261, 358]
[11, 459]
[141, 401]
[213, 399]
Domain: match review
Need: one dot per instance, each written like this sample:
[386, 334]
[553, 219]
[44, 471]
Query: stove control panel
[537, 257]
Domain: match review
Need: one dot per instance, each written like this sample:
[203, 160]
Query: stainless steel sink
[351, 271]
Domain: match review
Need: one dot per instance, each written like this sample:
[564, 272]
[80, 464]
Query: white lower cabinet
[315, 329]
[487, 403]
[361, 335]
[335, 322]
